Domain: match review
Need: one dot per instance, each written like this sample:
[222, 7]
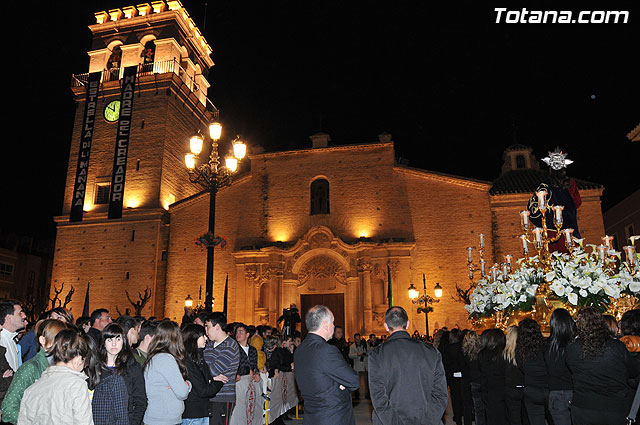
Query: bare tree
[56, 301]
[141, 302]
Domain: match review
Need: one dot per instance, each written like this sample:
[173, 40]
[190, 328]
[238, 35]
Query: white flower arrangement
[578, 280]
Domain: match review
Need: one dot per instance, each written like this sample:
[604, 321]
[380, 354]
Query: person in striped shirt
[222, 355]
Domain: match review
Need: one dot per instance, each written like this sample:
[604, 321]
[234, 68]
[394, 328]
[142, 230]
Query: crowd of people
[581, 374]
[136, 370]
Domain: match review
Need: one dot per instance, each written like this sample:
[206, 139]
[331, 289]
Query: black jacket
[247, 362]
[407, 382]
[203, 387]
[281, 359]
[134, 379]
[601, 382]
[320, 369]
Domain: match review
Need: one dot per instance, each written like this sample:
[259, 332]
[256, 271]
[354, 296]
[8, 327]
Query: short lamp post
[212, 176]
[425, 301]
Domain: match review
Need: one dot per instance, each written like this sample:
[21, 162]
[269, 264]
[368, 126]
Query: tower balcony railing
[160, 67]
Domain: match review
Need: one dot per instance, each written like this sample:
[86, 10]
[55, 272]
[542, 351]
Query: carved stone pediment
[321, 273]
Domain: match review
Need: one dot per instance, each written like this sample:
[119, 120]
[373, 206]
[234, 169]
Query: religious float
[560, 271]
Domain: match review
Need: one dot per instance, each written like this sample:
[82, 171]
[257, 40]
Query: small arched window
[319, 197]
[520, 162]
[115, 58]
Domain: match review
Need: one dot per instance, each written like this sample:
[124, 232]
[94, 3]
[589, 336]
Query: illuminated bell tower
[144, 95]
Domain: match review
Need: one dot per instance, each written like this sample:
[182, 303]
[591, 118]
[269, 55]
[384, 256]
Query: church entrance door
[335, 303]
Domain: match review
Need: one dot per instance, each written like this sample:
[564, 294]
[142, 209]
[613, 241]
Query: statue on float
[561, 190]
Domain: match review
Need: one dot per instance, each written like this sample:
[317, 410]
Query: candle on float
[470, 273]
[481, 235]
[505, 269]
[542, 199]
[482, 267]
[601, 252]
[494, 272]
[470, 254]
[557, 209]
[524, 219]
[525, 248]
[538, 234]
[630, 251]
[508, 259]
[568, 237]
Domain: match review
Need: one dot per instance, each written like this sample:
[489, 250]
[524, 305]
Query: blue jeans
[196, 421]
[559, 406]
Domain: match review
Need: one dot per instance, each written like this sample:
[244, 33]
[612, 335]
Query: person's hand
[221, 378]
[237, 378]
[342, 387]
[7, 373]
[292, 366]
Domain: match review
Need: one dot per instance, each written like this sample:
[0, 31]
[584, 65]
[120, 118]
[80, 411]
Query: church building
[342, 225]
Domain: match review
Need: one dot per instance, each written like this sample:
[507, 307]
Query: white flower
[634, 286]
[583, 293]
[558, 289]
[573, 298]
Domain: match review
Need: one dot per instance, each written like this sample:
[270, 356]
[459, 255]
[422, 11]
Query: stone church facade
[325, 223]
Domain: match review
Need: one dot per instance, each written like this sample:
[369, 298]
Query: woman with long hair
[110, 398]
[166, 376]
[560, 384]
[60, 396]
[30, 371]
[492, 370]
[204, 387]
[116, 357]
[471, 346]
[530, 348]
[514, 379]
[601, 367]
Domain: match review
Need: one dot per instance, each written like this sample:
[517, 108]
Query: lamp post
[425, 299]
[188, 302]
[212, 176]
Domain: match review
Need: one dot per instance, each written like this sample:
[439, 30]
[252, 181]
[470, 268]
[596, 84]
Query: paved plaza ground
[362, 411]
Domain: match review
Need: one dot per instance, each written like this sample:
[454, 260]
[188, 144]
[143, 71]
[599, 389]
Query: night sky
[453, 88]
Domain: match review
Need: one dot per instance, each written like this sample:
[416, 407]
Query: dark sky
[453, 87]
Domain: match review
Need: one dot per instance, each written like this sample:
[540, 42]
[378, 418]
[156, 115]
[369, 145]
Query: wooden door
[334, 302]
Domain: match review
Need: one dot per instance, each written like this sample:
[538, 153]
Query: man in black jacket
[406, 377]
[323, 376]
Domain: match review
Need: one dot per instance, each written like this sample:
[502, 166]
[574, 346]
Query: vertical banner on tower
[122, 142]
[82, 169]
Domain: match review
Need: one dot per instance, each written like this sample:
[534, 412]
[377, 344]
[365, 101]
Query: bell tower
[144, 95]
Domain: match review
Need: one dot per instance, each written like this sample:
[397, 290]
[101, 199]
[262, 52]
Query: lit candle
[538, 233]
[505, 269]
[568, 237]
[508, 259]
[494, 272]
[542, 199]
[525, 248]
[524, 218]
[482, 267]
[601, 252]
[481, 235]
[470, 273]
[630, 251]
[557, 209]
[470, 256]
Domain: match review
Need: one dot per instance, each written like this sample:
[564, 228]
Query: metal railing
[161, 67]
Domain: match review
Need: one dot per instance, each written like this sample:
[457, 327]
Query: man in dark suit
[323, 376]
[406, 377]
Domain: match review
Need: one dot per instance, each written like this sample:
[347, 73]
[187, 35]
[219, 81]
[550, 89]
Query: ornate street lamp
[212, 175]
[425, 299]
